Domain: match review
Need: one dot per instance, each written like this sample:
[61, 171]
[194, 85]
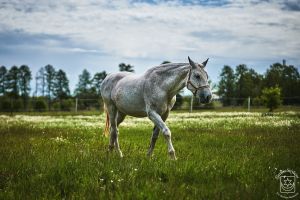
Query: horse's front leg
[157, 120]
[155, 134]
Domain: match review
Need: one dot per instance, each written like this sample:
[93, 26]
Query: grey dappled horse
[151, 95]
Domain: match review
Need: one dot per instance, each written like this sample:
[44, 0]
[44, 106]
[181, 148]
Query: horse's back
[110, 82]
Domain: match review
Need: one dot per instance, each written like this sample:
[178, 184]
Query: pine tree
[124, 67]
[12, 82]
[3, 81]
[61, 85]
[49, 77]
[84, 84]
[287, 78]
[24, 83]
[226, 87]
[97, 81]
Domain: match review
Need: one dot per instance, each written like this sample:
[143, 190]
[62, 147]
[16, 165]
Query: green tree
[84, 85]
[124, 67]
[248, 83]
[24, 83]
[287, 78]
[40, 104]
[241, 83]
[12, 82]
[3, 81]
[49, 77]
[165, 62]
[275, 75]
[61, 86]
[97, 81]
[271, 97]
[255, 83]
[85, 92]
[226, 86]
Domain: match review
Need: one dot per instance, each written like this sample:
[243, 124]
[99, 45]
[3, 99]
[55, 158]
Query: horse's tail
[107, 123]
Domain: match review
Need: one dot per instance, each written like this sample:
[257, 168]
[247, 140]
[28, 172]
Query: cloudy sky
[98, 34]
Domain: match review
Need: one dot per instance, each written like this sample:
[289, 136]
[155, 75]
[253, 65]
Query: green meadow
[221, 155]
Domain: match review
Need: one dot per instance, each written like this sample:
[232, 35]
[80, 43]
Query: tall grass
[230, 155]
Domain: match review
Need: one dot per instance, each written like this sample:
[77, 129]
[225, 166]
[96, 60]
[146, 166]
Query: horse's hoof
[174, 158]
[149, 154]
[172, 155]
[110, 148]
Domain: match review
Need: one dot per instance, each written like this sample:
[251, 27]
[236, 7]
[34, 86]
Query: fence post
[76, 104]
[249, 104]
[191, 108]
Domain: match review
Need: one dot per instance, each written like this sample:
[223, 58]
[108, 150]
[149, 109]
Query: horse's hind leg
[113, 113]
[153, 140]
[120, 119]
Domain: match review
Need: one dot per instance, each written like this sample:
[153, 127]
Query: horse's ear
[205, 62]
[192, 63]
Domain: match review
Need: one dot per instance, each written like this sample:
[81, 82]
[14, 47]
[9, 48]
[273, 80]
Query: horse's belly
[135, 111]
[131, 106]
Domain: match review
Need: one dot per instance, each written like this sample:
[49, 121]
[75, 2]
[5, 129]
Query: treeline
[52, 91]
[15, 83]
[243, 82]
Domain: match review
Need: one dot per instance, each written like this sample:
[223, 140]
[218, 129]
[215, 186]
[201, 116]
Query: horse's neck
[176, 79]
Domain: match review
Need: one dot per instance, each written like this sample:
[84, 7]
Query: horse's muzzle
[205, 98]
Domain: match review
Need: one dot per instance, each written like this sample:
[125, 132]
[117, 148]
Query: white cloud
[163, 30]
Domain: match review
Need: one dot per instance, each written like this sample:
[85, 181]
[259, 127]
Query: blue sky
[98, 35]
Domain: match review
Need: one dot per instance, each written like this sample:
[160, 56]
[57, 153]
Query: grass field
[221, 155]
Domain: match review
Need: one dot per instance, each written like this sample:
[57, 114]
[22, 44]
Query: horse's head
[198, 81]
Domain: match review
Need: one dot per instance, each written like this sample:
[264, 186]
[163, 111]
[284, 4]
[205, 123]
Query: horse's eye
[197, 76]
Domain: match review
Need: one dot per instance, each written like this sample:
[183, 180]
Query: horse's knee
[167, 132]
[114, 129]
[113, 136]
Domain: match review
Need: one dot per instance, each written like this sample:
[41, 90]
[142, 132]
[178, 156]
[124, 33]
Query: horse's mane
[165, 68]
